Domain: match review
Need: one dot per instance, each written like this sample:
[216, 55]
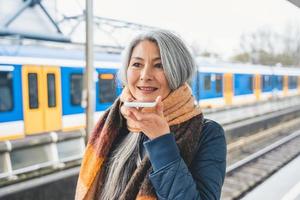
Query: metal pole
[50, 18]
[89, 73]
[35, 36]
[12, 18]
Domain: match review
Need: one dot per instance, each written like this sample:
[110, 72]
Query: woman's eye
[158, 65]
[136, 64]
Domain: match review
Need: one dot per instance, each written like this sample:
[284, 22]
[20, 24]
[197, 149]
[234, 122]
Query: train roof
[30, 54]
[240, 68]
[56, 53]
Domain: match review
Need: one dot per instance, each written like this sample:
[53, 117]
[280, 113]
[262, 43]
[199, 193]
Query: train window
[250, 83]
[6, 91]
[107, 88]
[292, 82]
[51, 90]
[33, 90]
[295, 81]
[219, 83]
[207, 82]
[267, 81]
[279, 81]
[76, 89]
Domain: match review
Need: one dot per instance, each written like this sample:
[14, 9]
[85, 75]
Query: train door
[228, 88]
[52, 114]
[42, 99]
[257, 86]
[285, 85]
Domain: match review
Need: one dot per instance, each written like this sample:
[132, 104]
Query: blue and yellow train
[41, 88]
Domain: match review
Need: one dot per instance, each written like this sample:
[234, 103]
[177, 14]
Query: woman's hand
[151, 124]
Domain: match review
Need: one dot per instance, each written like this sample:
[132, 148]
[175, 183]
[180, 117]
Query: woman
[165, 152]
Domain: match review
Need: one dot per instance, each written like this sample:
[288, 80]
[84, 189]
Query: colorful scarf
[185, 121]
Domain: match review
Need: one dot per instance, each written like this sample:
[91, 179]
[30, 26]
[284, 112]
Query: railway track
[240, 135]
[245, 174]
[241, 147]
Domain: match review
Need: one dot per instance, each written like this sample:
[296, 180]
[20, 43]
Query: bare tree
[197, 50]
[267, 47]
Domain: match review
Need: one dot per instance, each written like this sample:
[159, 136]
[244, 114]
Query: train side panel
[211, 89]
[292, 85]
[243, 89]
[278, 85]
[266, 86]
[72, 84]
[107, 88]
[11, 105]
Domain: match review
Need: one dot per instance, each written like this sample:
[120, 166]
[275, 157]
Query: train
[41, 87]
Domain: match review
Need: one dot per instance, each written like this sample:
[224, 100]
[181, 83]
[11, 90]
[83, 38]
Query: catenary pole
[89, 90]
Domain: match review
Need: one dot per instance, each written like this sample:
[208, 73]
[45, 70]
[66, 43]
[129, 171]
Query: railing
[52, 150]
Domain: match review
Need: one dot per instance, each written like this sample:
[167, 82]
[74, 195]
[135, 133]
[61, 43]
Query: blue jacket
[173, 180]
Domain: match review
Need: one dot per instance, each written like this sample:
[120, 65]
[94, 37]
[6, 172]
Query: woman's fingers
[153, 124]
[135, 114]
[124, 111]
[142, 116]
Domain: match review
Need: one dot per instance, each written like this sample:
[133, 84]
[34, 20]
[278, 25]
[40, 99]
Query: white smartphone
[139, 104]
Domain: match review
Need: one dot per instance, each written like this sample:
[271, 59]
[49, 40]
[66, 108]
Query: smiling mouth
[147, 89]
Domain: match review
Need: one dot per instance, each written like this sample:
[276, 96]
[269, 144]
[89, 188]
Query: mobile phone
[139, 104]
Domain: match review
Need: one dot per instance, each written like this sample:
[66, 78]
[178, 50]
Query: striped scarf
[185, 121]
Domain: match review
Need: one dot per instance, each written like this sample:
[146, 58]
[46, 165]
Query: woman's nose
[146, 73]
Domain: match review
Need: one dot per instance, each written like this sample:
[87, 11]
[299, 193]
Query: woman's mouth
[147, 89]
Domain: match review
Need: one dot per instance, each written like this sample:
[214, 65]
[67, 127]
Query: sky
[212, 24]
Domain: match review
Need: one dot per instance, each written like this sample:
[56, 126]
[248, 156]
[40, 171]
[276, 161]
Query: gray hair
[178, 63]
[125, 158]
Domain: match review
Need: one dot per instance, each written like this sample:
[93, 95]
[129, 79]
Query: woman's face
[145, 74]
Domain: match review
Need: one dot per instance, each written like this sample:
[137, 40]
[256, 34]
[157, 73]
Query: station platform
[283, 185]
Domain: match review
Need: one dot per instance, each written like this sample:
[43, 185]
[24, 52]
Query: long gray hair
[178, 63]
[123, 161]
[179, 66]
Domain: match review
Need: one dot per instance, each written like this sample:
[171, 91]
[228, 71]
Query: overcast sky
[215, 25]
